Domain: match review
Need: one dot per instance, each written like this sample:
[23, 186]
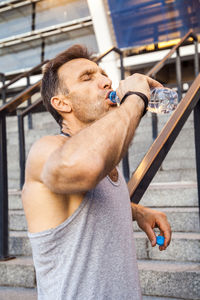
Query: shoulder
[39, 153]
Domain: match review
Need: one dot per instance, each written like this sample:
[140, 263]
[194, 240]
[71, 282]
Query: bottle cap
[160, 240]
[112, 96]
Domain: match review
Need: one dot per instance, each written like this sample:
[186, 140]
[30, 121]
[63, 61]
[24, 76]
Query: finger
[167, 236]
[154, 83]
[161, 248]
[165, 230]
[151, 235]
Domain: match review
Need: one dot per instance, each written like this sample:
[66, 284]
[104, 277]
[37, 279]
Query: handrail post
[42, 50]
[3, 190]
[197, 145]
[122, 66]
[22, 155]
[154, 122]
[197, 123]
[3, 89]
[125, 160]
[196, 58]
[178, 74]
[30, 123]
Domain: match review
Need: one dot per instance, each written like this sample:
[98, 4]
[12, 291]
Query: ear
[61, 103]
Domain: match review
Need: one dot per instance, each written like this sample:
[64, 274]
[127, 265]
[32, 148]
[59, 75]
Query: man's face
[88, 87]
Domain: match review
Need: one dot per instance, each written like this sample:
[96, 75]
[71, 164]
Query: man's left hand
[148, 219]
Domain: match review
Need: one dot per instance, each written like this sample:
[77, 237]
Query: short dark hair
[51, 83]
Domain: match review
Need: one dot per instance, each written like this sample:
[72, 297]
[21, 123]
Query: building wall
[18, 25]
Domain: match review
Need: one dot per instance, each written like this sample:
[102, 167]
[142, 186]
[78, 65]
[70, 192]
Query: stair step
[146, 121]
[182, 194]
[171, 194]
[32, 135]
[45, 117]
[169, 164]
[17, 220]
[14, 199]
[7, 293]
[181, 219]
[175, 175]
[183, 247]
[159, 298]
[158, 278]
[19, 243]
[13, 183]
[18, 272]
[11, 293]
[170, 279]
[180, 141]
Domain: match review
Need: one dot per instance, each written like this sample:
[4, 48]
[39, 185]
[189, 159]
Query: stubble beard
[88, 112]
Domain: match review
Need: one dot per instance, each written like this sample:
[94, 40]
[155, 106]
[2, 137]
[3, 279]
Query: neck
[72, 128]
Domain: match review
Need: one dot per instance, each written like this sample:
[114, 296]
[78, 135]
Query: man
[76, 201]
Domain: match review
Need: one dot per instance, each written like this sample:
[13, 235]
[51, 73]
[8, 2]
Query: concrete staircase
[171, 274]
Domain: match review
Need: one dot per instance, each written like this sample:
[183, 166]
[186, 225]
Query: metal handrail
[115, 49]
[152, 161]
[24, 74]
[150, 164]
[152, 72]
[11, 105]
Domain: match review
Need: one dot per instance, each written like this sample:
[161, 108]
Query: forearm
[137, 211]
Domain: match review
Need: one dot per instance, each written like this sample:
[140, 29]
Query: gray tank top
[91, 255]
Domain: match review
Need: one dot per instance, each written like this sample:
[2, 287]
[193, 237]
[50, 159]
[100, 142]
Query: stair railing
[153, 159]
[6, 109]
[26, 74]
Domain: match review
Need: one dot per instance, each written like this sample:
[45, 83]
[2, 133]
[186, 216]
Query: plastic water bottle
[160, 240]
[162, 100]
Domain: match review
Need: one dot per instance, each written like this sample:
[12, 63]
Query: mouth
[107, 95]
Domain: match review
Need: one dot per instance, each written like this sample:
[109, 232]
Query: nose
[105, 82]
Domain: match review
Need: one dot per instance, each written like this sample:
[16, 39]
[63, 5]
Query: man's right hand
[137, 83]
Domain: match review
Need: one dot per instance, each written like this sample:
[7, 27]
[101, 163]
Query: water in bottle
[162, 100]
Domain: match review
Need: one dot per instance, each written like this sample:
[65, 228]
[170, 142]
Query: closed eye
[88, 74]
[103, 73]
[86, 77]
